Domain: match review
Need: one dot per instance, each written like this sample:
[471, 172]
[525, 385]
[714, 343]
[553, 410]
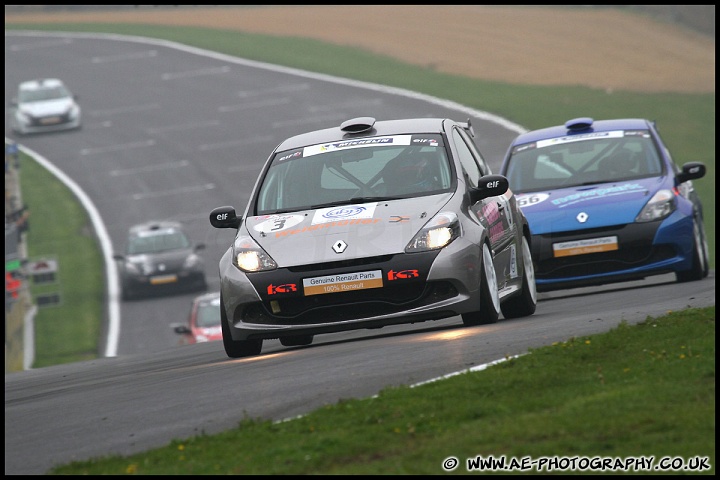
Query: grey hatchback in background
[159, 258]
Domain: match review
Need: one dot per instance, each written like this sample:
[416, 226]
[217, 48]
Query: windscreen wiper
[350, 201]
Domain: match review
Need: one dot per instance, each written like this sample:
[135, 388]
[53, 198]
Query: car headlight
[23, 116]
[439, 232]
[134, 268]
[192, 262]
[660, 206]
[249, 257]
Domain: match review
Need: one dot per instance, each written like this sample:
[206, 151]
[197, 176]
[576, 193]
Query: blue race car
[606, 203]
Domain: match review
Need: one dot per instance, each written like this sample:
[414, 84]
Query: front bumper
[415, 288]
[172, 281]
[644, 249]
[51, 124]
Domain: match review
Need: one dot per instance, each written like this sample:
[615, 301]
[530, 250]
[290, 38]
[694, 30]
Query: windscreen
[43, 94]
[208, 314]
[583, 160]
[157, 241]
[355, 171]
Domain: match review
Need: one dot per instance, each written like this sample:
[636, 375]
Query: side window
[470, 166]
[484, 167]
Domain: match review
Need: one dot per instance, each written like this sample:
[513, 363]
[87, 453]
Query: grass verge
[646, 390]
[60, 229]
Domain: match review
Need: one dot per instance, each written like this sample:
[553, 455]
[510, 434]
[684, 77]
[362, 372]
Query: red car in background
[203, 323]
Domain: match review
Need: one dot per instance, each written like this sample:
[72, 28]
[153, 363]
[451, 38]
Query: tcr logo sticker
[402, 274]
[286, 288]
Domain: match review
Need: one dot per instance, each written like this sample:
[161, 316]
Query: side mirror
[691, 171]
[224, 217]
[199, 246]
[119, 257]
[181, 329]
[489, 186]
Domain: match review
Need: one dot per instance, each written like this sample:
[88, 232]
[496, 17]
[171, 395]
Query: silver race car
[368, 224]
[44, 105]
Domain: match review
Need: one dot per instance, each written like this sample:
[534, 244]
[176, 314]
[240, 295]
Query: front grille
[41, 121]
[600, 263]
[635, 249]
[339, 307]
[342, 264]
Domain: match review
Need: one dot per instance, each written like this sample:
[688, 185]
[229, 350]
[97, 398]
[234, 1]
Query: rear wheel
[489, 308]
[525, 303]
[700, 265]
[236, 348]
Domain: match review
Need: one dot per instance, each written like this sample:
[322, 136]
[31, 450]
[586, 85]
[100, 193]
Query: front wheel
[127, 293]
[700, 264]
[525, 303]
[236, 348]
[489, 308]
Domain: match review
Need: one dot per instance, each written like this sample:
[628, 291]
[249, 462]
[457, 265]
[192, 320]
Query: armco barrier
[19, 309]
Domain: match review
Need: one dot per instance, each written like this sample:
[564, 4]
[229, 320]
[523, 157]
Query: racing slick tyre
[700, 266]
[236, 348]
[525, 303]
[489, 311]
[297, 340]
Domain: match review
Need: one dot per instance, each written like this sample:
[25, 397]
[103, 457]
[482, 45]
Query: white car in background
[44, 105]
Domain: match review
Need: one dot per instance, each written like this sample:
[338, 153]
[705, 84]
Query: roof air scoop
[576, 124]
[357, 125]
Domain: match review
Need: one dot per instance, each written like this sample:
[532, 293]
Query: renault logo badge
[582, 217]
[339, 246]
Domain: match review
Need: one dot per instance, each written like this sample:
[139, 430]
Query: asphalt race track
[172, 133]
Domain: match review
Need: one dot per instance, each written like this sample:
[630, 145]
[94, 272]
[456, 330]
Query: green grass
[61, 229]
[641, 390]
[637, 390]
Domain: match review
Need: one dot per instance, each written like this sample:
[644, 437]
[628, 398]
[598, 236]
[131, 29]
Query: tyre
[700, 265]
[236, 348]
[489, 308]
[525, 303]
[127, 293]
[297, 340]
[201, 285]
